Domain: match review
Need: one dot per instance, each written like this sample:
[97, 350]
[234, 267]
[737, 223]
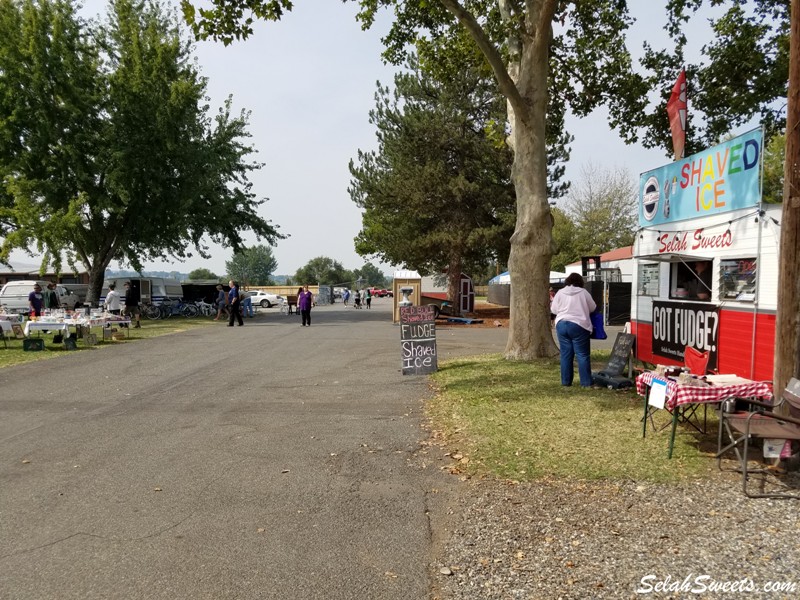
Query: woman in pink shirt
[571, 306]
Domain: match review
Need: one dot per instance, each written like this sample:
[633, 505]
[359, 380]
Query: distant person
[346, 297]
[51, 297]
[36, 301]
[220, 301]
[247, 306]
[368, 298]
[234, 305]
[357, 299]
[132, 300]
[572, 305]
[699, 284]
[305, 299]
[113, 299]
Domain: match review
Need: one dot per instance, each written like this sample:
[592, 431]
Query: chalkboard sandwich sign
[612, 375]
[418, 339]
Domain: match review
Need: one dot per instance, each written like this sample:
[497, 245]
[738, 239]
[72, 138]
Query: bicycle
[178, 307]
[205, 309]
[151, 311]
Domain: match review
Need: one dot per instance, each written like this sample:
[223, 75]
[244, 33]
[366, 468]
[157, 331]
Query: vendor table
[63, 326]
[103, 322]
[31, 326]
[681, 395]
[7, 330]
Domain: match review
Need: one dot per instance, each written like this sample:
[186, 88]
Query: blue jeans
[573, 340]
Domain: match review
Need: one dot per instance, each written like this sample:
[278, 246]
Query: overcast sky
[309, 82]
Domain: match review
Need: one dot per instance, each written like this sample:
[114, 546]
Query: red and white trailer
[706, 261]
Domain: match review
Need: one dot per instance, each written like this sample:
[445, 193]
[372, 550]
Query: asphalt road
[264, 461]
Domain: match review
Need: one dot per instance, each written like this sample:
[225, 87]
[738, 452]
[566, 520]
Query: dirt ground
[491, 314]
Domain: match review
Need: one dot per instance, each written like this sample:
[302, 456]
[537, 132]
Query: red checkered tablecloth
[680, 394]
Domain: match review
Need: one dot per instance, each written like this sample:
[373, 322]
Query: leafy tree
[372, 275]
[542, 53]
[603, 209]
[322, 270]
[203, 274]
[107, 151]
[437, 193]
[774, 159]
[742, 76]
[252, 266]
[564, 238]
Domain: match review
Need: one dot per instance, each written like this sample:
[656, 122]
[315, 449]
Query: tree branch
[545, 25]
[507, 85]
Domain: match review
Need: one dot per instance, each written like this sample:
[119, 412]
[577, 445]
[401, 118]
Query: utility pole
[787, 325]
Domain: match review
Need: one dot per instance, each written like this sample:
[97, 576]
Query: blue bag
[598, 330]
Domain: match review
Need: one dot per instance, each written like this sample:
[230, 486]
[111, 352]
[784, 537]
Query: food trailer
[706, 261]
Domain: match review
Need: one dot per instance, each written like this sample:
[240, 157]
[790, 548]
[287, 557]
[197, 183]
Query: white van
[152, 290]
[14, 295]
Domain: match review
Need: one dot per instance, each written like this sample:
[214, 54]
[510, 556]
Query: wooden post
[787, 326]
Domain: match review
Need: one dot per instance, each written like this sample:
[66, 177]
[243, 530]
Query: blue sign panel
[721, 179]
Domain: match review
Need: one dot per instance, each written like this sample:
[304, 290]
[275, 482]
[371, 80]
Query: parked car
[264, 299]
[14, 295]
[381, 293]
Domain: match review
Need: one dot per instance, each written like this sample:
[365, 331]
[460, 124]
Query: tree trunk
[529, 335]
[454, 284]
[97, 274]
[787, 323]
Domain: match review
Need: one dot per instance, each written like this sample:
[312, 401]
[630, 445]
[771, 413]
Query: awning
[672, 257]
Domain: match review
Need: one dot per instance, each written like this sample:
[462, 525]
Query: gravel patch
[576, 539]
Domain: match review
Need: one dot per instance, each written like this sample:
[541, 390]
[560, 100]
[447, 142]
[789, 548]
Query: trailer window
[691, 281]
[648, 279]
[738, 279]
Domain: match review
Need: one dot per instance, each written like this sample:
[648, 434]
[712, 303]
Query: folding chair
[763, 421]
[697, 363]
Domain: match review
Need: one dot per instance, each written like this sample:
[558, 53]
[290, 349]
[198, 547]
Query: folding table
[680, 395]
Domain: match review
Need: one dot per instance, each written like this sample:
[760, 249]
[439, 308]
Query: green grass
[14, 354]
[515, 421]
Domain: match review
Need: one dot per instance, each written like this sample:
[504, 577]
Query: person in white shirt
[113, 304]
[571, 306]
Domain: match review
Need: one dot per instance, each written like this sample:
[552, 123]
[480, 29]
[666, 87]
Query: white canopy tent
[505, 278]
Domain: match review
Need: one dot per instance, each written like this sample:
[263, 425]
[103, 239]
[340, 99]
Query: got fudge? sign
[418, 339]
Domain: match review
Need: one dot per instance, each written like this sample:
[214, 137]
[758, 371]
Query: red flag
[676, 109]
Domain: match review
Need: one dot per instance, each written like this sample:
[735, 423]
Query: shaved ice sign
[418, 339]
[723, 178]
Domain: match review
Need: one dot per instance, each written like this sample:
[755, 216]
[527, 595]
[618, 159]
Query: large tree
[602, 205]
[741, 77]
[107, 149]
[539, 50]
[203, 273]
[564, 240]
[437, 194]
[323, 270]
[252, 266]
[371, 276]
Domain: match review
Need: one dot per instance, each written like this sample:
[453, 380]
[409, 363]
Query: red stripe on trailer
[735, 344]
